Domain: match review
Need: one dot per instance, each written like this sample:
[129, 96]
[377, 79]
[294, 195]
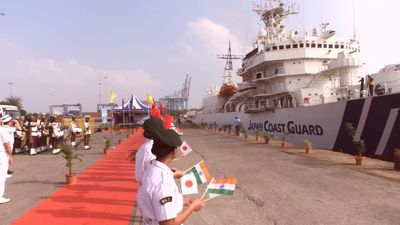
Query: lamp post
[100, 94]
[106, 95]
[10, 83]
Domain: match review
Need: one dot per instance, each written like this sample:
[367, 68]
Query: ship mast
[274, 13]
[228, 72]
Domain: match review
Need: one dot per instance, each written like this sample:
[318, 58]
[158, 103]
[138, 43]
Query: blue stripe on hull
[377, 116]
[394, 139]
[351, 114]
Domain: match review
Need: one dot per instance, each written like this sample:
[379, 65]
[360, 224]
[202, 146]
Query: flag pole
[207, 199]
[207, 188]
[193, 166]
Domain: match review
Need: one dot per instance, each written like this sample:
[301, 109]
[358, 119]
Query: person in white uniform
[74, 131]
[144, 156]
[159, 199]
[86, 138]
[6, 159]
[10, 127]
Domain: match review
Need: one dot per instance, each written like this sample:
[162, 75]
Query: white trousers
[3, 172]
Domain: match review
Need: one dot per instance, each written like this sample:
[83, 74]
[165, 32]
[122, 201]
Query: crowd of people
[35, 133]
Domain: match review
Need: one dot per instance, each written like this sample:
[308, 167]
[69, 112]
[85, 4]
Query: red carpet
[105, 193]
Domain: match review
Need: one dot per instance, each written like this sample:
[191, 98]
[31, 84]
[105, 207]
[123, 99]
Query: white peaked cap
[6, 118]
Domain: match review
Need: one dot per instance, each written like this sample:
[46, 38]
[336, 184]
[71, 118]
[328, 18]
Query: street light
[10, 83]
[100, 93]
[106, 95]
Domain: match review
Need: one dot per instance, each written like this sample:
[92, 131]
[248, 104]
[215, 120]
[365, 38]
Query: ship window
[294, 62]
[281, 47]
[298, 79]
[274, 48]
[301, 45]
[331, 93]
[258, 75]
[316, 94]
[319, 45]
[276, 71]
[295, 46]
[325, 45]
[342, 46]
[307, 45]
[288, 46]
[336, 93]
[313, 45]
[309, 94]
[359, 50]
[299, 62]
[331, 46]
[336, 46]
[268, 49]
[290, 81]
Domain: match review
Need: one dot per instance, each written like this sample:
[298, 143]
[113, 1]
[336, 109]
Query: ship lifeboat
[227, 90]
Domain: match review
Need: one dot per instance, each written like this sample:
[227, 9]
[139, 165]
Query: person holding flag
[158, 197]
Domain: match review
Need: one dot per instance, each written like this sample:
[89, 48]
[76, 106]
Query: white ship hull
[377, 120]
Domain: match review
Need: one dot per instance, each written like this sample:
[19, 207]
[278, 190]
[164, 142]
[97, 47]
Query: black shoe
[10, 172]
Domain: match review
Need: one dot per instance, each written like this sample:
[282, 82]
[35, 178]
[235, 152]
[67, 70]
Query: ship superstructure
[288, 70]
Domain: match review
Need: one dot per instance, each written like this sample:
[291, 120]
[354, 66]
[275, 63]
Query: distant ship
[308, 85]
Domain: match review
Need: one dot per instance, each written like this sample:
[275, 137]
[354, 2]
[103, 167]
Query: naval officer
[144, 156]
[6, 159]
[158, 196]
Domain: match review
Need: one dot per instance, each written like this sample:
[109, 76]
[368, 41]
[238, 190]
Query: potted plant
[268, 136]
[229, 128]
[307, 145]
[358, 142]
[107, 145]
[70, 155]
[257, 132]
[225, 128]
[284, 144]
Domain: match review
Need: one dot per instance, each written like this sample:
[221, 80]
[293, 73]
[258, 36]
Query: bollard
[396, 159]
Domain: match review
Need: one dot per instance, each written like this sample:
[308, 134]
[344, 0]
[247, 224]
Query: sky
[58, 52]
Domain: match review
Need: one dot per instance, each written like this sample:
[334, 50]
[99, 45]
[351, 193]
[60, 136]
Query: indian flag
[225, 186]
[200, 171]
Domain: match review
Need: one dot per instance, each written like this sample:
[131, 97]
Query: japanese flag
[189, 184]
[185, 149]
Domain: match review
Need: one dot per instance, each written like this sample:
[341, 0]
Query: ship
[306, 86]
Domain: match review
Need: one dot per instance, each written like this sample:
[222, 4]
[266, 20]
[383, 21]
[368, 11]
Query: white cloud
[212, 36]
[43, 81]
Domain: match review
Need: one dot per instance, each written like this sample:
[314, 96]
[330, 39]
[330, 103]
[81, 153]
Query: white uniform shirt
[143, 159]
[4, 138]
[87, 128]
[158, 197]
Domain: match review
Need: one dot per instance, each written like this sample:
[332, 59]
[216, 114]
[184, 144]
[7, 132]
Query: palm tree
[13, 100]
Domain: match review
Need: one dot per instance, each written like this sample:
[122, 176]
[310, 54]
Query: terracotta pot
[266, 141]
[308, 150]
[284, 145]
[105, 150]
[257, 138]
[71, 179]
[360, 160]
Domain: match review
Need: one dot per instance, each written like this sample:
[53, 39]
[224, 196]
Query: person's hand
[188, 201]
[197, 204]
[10, 161]
[178, 174]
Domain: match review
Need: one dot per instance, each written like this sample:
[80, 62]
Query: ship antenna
[354, 20]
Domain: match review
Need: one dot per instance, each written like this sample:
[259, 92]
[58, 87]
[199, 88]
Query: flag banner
[112, 96]
[224, 186]
[185, 149]
[189, 184]
[200, 171]
[149, 99]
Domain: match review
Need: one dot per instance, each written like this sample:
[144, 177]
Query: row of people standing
[39, 133]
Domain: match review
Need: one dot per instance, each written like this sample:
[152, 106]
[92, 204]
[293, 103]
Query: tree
[13, 100]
